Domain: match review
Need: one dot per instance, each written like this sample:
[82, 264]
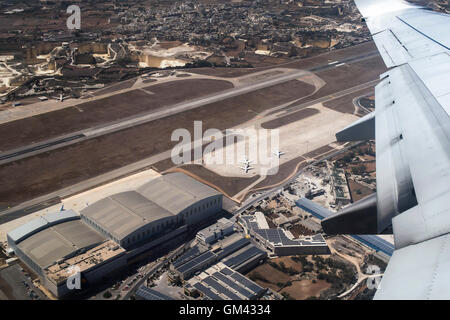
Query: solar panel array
[201, 260]
[247, 283]
[211, 282]
[207, 292]
[188, 255]
[233, 285]
[278, 236]
[227, 271]
[233, 247]
[245, 255]
[150, 294]
[228, 284]
[195, 259]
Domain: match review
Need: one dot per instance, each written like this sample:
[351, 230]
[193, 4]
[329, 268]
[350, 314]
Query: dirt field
[229, 185]
[355, 186]
[301, 290]
[44, 126]
[293, 117]
[271, 275]
[345, 103]
[289, 263]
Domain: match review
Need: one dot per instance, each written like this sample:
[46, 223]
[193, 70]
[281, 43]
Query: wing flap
[403, 32]
[420, 271]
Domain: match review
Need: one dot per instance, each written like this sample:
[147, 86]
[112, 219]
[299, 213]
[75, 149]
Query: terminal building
[108, 234]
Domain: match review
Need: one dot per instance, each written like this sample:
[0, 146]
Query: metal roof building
[146, 293]
[281, 242]
[177, 191]
[313, 208]
[219, 282]
[221, 228]
[52, 237]
[113, 229]
[166, 202]
[122, 214]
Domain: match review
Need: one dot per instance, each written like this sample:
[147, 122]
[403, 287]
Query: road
[153, 269]
[360, 280]
[75, 137]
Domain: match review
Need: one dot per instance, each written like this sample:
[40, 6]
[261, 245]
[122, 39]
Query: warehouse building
[217, 231]
[199, 257]
[281, 242]
[166, 203]
[146, 293]
[110, 232]
[55, 242]
[220, 282]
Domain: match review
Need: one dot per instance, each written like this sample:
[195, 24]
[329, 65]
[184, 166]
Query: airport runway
[331, 96]
[75, 137]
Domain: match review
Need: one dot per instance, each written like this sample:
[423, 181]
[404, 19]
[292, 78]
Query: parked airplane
[278, 153]
[246, 168]
[61, 98]
[246, 162]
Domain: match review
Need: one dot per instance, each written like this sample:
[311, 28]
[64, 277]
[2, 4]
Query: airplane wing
[411, 126]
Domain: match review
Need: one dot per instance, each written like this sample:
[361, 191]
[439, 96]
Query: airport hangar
[113, 231]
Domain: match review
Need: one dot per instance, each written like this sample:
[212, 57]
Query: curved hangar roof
[123, 213]
[176, 191]
[164, 197]
[54, 236]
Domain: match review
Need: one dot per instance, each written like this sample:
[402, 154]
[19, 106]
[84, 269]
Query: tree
[359, 170]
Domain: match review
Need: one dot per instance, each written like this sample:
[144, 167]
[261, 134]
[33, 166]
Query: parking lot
[16, 284]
